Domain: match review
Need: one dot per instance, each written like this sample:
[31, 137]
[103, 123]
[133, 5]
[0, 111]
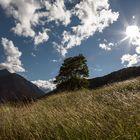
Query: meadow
[108, 113]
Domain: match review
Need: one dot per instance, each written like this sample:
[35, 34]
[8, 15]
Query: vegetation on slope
[111, 112]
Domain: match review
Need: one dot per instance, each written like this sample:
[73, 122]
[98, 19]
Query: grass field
[108, 113]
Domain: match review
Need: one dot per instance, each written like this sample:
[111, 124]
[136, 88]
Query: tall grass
[108, 113]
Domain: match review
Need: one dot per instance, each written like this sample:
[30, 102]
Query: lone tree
[73, 74]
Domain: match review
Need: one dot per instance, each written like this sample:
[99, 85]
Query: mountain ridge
[113, 77]
[116, 76]
[4, 72]
[14, 87]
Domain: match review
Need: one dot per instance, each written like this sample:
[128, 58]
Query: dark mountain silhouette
[117, 76]
[14, 87]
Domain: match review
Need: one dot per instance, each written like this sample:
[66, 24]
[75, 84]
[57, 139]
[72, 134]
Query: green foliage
[73, 74]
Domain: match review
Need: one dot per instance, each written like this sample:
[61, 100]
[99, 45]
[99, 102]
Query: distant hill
[117, 76]
[14, 87]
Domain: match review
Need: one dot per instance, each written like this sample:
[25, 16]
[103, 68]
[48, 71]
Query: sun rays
[131, 33]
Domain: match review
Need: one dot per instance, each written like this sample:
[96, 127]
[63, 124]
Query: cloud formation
[23, 12]
[130, 59]
[46, 86]
[94, 16]
[106, 46]
[29, 14]
[133, 59]
[12, 62]
[56, 11]
[41, 37]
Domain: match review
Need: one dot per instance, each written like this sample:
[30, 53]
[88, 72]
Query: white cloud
[23, 11]
[54, 61]
[12, 62]
[63, 51]
[130, 59]
[138, 49]
[136, 42]
[106, 46]
[46, 86]
[23, 30]
[32, 54]
[41, 37]
[28, 14]
[133, 17]
[135, 58]
[56, 11]
[60, 49]
[94, 16]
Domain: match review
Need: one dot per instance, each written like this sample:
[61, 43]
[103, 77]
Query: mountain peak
[14, 87]
[4, 72]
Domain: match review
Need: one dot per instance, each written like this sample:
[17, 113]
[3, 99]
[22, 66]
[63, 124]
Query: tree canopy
[73, 74]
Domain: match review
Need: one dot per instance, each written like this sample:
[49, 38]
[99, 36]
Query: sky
[37, 35]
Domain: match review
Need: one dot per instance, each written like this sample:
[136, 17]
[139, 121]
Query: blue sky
[32, 33]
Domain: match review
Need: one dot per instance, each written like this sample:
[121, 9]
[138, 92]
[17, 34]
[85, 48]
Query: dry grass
[109, 113]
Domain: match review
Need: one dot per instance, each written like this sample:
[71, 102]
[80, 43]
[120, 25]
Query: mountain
[117, 76]
[14, 87]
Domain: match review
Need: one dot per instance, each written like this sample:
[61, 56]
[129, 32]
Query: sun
[132, 31]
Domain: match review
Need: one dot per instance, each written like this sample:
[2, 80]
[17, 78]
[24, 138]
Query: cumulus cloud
[107, 46]
[60, 49]
[12, 62]
[23, 12]
[41, 37]
[46, 86]
[130, 59]
[138, 49]
[104, 47]
[136, 42]
[30, 13]
[57, 11]
[23, 30]
[26, 15]
[135, 58]
[94, 16]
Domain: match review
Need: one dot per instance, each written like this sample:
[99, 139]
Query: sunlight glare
[132, 31]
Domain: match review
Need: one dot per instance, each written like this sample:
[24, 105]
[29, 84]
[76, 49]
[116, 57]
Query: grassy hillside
[109, 113]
